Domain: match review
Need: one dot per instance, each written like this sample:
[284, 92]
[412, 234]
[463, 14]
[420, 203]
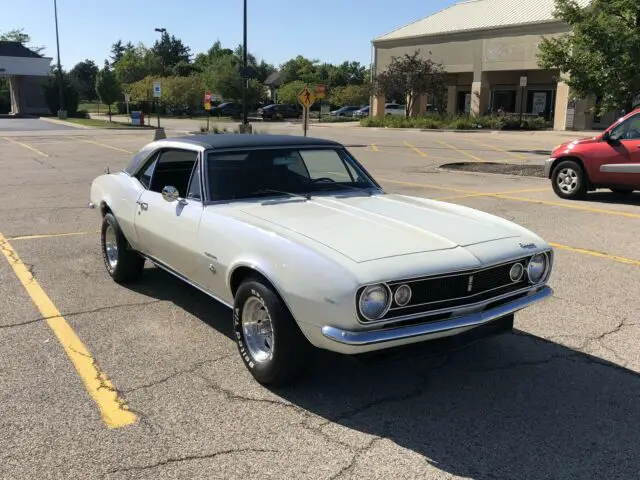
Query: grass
[94, 122]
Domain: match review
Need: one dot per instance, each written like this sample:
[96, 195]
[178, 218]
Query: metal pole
[60, 95]
[245, 113]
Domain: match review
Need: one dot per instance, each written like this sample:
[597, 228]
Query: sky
[329, 30]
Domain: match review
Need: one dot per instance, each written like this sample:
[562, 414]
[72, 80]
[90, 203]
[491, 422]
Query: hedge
[435, 122]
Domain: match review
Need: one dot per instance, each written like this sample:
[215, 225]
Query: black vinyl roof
[16, 49]
[248, 140]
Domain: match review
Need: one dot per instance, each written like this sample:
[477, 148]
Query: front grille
[458, 289]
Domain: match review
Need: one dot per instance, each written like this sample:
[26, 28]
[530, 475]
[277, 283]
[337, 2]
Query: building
[25, 70]
[489, 49]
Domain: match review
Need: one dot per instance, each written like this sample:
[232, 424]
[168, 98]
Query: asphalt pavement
[557, 399]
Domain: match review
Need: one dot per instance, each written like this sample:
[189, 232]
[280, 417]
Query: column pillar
[377, 105]
[452, 93]
[14, 94]
[560, 111]
[480, 95]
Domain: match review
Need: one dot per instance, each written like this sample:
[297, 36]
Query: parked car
[363, 112]
[608, 160]
[300, 241]
[344, 111]
[227, 109]
[394, 109]
[279, 111]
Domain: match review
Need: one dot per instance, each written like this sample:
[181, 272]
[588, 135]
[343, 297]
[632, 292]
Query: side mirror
[606, 136]
[170, 194]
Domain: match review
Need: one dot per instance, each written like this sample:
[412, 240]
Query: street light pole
[61, 112]
[162, 32]
[245, 113]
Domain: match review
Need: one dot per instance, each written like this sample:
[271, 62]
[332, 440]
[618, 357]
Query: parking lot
[171, 399]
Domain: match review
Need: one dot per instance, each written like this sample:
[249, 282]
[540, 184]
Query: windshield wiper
[269, 190]
[340, 186]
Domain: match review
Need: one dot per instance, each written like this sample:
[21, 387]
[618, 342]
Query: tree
[18, 35]
[69, 94]
[117, 51]
[108, 87]
[288, 92]
[300, 68]
[171, 52]
[351, 95]
[83, 77]
[136, 64]
[410, 76]
[601, 53]
[223, 77]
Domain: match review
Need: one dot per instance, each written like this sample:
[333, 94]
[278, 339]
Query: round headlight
[537, 268]
[516, 272]
[402, 296]
[374, 301]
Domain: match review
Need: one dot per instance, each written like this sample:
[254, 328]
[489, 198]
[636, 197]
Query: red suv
[608, 160]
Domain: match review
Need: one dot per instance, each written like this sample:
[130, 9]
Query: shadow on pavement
[613, 198]
[513, 406]
[546, 153]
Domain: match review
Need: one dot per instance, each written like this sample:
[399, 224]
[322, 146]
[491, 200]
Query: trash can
[137, 117]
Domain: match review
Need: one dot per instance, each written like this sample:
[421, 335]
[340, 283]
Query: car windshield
[287, 171]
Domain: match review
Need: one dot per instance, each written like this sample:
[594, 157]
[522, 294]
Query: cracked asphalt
[558, 398]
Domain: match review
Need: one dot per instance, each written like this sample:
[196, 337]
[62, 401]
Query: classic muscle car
[301, 242]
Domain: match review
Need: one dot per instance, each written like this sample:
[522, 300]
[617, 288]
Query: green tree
[601, 53]
[83, 77]
[223, 77]
[171, 52]
[136, 64]
[410, 76]
[288, 92]
[69, 94]
[108, 87]
[353, 95]
[300, 68]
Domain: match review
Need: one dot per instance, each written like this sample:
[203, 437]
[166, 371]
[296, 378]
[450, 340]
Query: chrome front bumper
[428, 331]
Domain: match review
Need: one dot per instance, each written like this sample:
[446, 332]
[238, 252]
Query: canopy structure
[23, 67]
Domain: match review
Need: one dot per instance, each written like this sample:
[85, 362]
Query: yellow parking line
[107, 146]
[572, 207]
[435, 187]
[417, 150]
[26, 146]
[460, 151]
[593, 253]
[113, 410]
[374, 148]
[49, 235]
[497, 149]
[491, 194]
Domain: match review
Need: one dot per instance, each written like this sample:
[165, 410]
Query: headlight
[537, 268]
[374, 301]
[402, 295]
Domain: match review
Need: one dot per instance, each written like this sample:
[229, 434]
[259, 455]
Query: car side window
[627, 130]
[146, 175]
[174, 168]
[195, 190]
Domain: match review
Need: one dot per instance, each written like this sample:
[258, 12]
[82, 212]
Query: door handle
[143, 205]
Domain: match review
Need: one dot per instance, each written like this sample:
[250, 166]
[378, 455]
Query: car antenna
[106, 169]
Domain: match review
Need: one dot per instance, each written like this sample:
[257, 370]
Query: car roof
[248, 140]
[223, 141]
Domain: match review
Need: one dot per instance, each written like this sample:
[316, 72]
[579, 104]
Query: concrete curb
[69, 124]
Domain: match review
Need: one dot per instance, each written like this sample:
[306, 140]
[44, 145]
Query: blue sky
[329, 30]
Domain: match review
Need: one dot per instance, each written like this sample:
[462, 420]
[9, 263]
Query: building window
[504, 101]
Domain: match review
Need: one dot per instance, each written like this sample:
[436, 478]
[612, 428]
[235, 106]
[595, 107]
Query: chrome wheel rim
[111, 246]
[257, 329]
[567, 180]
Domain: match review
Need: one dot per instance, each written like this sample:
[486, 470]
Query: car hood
[575, 143]
[380, 226]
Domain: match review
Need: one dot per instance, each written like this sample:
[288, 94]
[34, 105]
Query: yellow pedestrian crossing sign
[306, 97]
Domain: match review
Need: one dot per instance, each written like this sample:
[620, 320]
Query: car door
[167, 228]
[618, 160]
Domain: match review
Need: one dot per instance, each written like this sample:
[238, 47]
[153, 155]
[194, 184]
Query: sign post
[127, 98]
[207, 106]
[157, 90]
[306, 99]
[320, 91]
[523, 85]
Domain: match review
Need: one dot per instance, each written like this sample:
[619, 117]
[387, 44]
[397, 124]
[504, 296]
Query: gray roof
[16, 49]
[274, 79]
[248, 140]
[479, 15]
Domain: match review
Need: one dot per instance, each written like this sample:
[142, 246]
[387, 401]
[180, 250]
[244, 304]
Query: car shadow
[513, 406]
[632, 199]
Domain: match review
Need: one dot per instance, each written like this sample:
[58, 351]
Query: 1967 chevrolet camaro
[307, 249]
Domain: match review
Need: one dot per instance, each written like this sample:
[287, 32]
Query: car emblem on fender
[527, 245]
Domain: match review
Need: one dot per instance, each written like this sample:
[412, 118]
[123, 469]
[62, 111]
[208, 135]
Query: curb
[69, 124]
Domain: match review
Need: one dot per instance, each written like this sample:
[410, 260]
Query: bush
[461, 122]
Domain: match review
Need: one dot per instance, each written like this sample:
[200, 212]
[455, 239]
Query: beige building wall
[483, 62]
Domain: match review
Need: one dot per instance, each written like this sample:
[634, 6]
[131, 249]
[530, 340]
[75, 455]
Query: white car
[302, 243]
[395, 109]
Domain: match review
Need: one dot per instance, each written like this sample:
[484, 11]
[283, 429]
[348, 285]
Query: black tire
[128, 264]
[622, 191]
[578, 186]
[289, 349]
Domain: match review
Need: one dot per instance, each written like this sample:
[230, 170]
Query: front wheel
[569, 180]
[123, 264]
[270, 343]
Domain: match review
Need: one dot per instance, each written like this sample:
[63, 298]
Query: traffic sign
[320, 90]
[156, 88]
[306, 98]
[207, 105]
[523, 81]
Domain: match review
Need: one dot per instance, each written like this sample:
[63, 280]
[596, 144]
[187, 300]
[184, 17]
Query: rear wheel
[569, 180]
[123, 264]
[270, 343]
